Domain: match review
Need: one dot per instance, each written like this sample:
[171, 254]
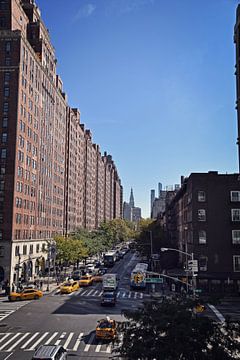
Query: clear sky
[154, 81]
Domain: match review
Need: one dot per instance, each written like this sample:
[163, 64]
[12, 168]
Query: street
[69, 320]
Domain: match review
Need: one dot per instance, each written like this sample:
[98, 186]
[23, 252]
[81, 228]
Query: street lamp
[192, 258]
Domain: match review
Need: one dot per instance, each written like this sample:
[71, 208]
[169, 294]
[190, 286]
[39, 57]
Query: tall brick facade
[53, 179]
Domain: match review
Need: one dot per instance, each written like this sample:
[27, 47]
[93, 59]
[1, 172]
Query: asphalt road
[69, 320]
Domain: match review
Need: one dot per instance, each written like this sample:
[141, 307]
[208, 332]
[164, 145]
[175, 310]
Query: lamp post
[192, 258]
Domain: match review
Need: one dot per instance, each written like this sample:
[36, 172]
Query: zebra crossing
[7, 308]
[72, 342]
[121, 294]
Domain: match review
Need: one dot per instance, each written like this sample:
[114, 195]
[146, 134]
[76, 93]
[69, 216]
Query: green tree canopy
[170, 330]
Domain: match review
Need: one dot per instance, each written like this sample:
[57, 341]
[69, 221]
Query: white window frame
[201, 196]
[236, 236]
[233, 213]
[235, 198]
[202, 214]
[234, 263]
[202, 239]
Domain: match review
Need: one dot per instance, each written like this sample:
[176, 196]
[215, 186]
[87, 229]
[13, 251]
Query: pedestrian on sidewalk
[13, 287]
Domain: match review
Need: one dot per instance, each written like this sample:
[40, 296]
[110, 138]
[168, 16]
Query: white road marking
[4, 337]
[77, 343]
[89, 344]
[90, 292]
[84, 292]
[38, 341]
[98, 347]
[29, 340]
[50, 339]
[216, 312]
[8, 356]
[108, 350]
[118, 294]
[67, 342]
[130, 294]
[10, 340]
[141, 295]
[135, 295]
[123, 295]
[95, 293]
[62, 336]
[18, 341]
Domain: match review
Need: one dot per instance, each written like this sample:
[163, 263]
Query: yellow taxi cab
[85, 280]
[199, 308]
[106, 329]
[25, 294]
[68, 287]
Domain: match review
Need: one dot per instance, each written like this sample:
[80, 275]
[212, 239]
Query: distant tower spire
[131, 201]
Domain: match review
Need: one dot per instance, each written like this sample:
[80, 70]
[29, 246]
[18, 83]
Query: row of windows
[234, 196]
[202, 237]
[203, 263]
[235, 214]
[31, 249]
[25, 219]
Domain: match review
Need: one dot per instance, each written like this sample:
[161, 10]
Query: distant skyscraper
[131, 201]
[127, 211]
[159, 189]
[152, 200]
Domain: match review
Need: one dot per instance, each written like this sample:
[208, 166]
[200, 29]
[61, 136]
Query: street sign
[154, 280]
[193, 265]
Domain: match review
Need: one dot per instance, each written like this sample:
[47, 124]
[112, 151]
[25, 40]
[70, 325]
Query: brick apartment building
[204, 218]
[53, 179]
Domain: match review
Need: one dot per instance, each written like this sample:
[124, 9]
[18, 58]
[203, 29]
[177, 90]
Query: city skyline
[155, 83]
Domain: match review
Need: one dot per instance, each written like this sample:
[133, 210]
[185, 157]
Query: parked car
[26, 294]
[50, 352]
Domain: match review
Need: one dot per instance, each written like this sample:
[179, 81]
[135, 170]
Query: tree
[170, 330]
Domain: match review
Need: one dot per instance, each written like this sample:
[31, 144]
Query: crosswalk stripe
[108, 350]
[135, 295]
[62, 336]
[95, 293]
[130, 294]
[90, 292]
[38, 341]
[98, 347]
[84, 292]
[101, 292]
[77, 343]
[4, 337]
[118, 293]
[89, 344]
[29, 340]
[18, 342]
[10, 340]
[123, 295]
[141, 295]
[67, 342]
[50, 339]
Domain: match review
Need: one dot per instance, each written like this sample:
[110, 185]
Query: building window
[2, 22]
[236, 236]
[202, 262]
[6, 91]
[202, 237]
[235, 214]
[3, 153]
[24, 249]
[236, 263]
[8, 61]
[17, 250]
[1, 234]
[4, 138]
[201, 196]
[5, 107]
[201, 215]
[37, 248]
[235, 195]
[31, 249]
[5, 122]
[8, 47]
[6, 77]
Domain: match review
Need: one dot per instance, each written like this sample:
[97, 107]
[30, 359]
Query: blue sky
[154, 81]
